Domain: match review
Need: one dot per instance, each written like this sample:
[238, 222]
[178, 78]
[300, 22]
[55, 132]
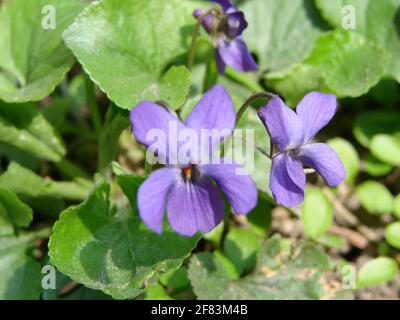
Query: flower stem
[250, 100]
[41, 233]
[243, 79]
[92, 104]
[148, 167]
[246, 104]
[195, 34]
[116, 121]
[71, 170]
[211, 76]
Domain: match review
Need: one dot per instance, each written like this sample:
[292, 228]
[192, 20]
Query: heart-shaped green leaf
[375, 20]
[13, 213]
[282, 33]
[25, 127]
[125, 46]
[341, 62]
[33, 57]
[20, 274]
[283, 271]
[104, 248]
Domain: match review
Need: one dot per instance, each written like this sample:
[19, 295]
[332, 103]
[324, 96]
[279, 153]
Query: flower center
[187, 172]
[294, 153]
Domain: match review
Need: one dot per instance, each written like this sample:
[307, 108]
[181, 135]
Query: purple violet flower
[292, 132]
[188, 191]
[226, 35]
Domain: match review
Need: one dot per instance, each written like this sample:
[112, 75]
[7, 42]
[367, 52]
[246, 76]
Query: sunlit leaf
[316, 213]
[297, 273]
[281, 33]
[13, 213]
[342, 62]
[375, 20]
[33, 57]
[376, 271]
[125, 47]
[386, 148]
[392, 234]
[26, 128]
[111, 250]
[375, 197]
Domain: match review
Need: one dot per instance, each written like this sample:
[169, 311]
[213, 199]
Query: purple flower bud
[235, 24]
[209, 21]
[226, 34]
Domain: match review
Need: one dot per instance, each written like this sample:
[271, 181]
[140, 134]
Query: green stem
[148, 167]
[43, 233]
[195, 34]
[243, 79]
[67, 128]
[211, 76]
[74, 106]
[116, 122]
[92, 104]
[71, 170]
[70, 190]
[250, 100]
[241, 111]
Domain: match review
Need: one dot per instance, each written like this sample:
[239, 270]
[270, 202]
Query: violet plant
[185, 189]
[292, 132]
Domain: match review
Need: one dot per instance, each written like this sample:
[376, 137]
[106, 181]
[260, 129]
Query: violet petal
[235, 24]
[151, 126]
[287, 180]
[284, 126]
[237, 186]
[152, 196]
[225, 4]
[194, 207]
[236, 54]
[215, 110]
[315, 110]
[325, 161]
[208, 21]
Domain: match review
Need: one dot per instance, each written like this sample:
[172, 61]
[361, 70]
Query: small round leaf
[377, 271]
[376, 167]
[396, 206]
[375, 197]
[317, 213]
[392, 234]
[386, 148]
